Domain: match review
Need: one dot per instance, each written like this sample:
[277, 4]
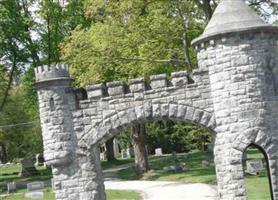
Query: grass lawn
[257, 186]
[111, 195]
[10, 173]
[195, 174]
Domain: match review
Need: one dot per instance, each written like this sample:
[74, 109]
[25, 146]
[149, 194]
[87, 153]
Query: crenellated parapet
[139, 85]
[52, 72]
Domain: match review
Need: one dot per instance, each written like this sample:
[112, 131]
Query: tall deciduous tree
[16, 46]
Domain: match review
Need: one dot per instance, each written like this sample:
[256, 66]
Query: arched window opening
[256, 173]
[52, 104]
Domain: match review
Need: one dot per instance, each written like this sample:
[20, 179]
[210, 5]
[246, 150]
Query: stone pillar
[91, 180]
[72, 179]
[237, 48]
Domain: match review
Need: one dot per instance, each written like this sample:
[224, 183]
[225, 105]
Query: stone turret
[239, 50]
[56, 102]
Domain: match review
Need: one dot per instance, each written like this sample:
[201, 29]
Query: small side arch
[258, 138]
[113, 124]
[262, 141]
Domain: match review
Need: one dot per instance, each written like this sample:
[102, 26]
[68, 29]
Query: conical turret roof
[233, 16]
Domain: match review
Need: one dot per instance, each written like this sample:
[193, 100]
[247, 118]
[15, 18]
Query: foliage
[19, 141]
[170, 136]
[58, 20]
[128, 39]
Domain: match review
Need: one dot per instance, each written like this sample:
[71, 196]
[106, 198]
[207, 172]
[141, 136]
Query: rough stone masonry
[233, 93]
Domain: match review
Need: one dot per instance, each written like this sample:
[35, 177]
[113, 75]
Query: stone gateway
[233, 93]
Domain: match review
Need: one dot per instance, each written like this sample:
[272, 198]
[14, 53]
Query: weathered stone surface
[233, 93]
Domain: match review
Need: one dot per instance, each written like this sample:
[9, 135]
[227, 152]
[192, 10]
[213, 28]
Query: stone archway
[110, 126]
[232, 93]
[100, 132]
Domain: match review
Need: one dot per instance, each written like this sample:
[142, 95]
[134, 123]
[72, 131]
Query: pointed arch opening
[257, 173]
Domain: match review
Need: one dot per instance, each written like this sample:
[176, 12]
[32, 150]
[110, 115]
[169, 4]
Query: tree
[19, 138]
[139, 145]
[110, 155]
[154, 36]
[16, 46]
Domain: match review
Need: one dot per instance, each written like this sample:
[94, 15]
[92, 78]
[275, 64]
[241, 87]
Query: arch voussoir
[173, 111]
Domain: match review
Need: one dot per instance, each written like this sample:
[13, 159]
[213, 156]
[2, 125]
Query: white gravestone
[35, 190]
[158, 152]
[254, 166]
[11, 187]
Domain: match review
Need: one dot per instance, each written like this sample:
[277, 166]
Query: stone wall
[243, 79]
[73, 127]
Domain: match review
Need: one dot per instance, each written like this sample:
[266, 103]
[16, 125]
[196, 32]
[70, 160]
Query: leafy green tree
[16, 46]
[59, 19]
[154, 36]
[18, 137]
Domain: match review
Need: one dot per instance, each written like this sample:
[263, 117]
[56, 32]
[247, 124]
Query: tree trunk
[110, 150]
[3, 153]
[139, 145]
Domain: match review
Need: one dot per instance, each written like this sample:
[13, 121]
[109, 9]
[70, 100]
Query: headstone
[123, 153]
[127, 153]
[103, 156]
[205, 164]
[158, 152]
[11, 187]
[130, 152]
[186, 157]
[176, 168]
[253, 167]
[116, 147]
[174, 157]
[210, 148]
[27, 168]
[39, 160]
[35, 190]
[35, 186]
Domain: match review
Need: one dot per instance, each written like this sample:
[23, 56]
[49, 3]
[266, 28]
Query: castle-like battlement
[138, 84]
[52, 72]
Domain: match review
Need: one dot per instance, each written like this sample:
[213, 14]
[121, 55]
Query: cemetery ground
[196, 172]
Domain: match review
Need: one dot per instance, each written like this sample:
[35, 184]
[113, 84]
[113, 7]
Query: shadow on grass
[195, 174]
[114, 163]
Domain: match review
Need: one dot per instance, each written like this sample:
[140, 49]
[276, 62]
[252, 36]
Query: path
[160, 190]
[164, 190]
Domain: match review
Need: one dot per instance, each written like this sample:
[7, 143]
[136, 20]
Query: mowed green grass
[10, 173]
[111, 195]
[195, 174]
[257, 186]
